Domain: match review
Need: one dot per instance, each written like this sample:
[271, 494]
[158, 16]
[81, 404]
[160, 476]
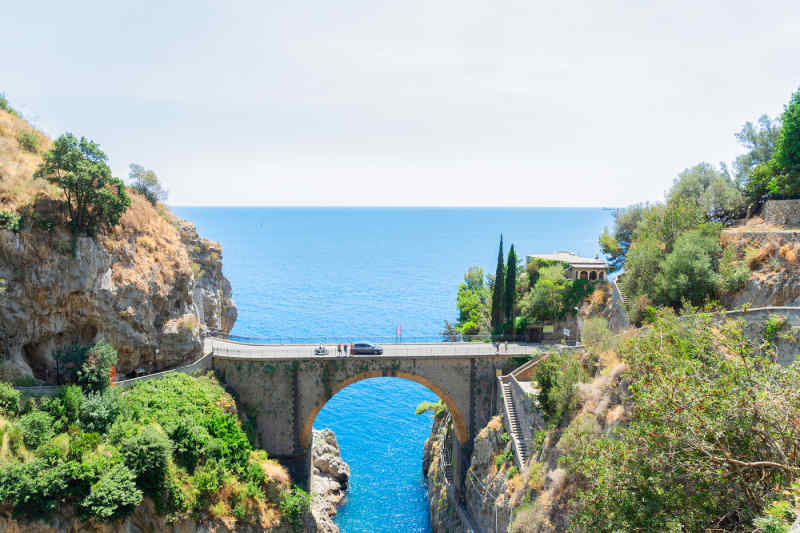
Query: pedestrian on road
[338, 349]
[497, 346]
[506, 346]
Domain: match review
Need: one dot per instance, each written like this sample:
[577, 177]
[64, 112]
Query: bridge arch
[459, 424]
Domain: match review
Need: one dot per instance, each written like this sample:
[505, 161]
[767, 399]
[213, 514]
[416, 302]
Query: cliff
[150, 287]
[329, 480]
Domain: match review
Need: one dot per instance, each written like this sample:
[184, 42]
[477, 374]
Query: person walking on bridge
[339, 349]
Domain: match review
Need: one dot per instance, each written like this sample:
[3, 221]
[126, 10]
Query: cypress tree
[498, 304]
[511, 285]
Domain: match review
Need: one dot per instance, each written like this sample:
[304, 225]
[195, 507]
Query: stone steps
[513, 423]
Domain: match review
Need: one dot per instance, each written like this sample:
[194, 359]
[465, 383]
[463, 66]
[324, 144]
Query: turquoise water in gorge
[313, 274]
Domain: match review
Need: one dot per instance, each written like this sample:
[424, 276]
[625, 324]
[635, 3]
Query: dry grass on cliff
[17, 186]
[149, 246]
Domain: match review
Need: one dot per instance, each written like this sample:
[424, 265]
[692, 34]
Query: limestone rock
[151, 289]
[330, 476]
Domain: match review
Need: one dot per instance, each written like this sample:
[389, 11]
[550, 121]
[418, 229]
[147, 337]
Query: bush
[10, 221]
[207, 480]
[235, 448]
[557, 376]
[82, 444]
[113, 496]
[4, 105]
[147, 454]
[192, 443]
[72, 398]
[95, 374]
[294, 504]
[98, 411]
[595, 334]
[37, 428]
[28, 141]
[146, 183]
[9, 399]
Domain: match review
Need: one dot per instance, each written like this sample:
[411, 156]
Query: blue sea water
[316, 274]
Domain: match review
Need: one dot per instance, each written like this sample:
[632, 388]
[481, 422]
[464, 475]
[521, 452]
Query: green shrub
[95, 374]
[147, 455]
[192, 443]
[235, 447]
[207, 480]
[438, 408]
[82, 444]
[557, 376]
[596, 335]
[36, 427]
[114, 495]
[294, 504]
[9, 399]
[10, 221]
[5, 107]
[28, 141]
[72, 398]
[98, 411]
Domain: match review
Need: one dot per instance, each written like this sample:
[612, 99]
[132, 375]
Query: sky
[407, 102]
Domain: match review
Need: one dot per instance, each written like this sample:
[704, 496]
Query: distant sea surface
[326, 274]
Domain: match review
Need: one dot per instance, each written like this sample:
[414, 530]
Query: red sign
[399, 331]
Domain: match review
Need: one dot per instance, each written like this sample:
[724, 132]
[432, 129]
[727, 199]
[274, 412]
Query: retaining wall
[782, 212]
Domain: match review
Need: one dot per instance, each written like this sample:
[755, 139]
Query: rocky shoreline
[330, 477]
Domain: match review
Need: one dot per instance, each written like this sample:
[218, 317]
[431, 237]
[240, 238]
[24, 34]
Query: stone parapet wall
[782, 212]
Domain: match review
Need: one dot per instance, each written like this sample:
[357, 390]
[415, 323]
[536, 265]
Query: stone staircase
[513, 423]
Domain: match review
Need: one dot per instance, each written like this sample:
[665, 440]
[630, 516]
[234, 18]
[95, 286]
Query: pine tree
[498, 304]
[511, 285]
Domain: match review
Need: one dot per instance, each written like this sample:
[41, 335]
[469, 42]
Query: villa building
[577, 267]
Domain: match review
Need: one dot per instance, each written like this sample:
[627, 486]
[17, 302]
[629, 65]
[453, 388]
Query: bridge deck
[223, 348]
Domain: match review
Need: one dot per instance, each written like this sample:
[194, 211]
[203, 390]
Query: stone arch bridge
[285, 386]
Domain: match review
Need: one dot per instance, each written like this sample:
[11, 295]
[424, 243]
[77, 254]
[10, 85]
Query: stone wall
[782, 212]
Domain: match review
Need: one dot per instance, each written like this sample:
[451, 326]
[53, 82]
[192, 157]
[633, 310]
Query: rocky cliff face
[150, 288]
[329, 480]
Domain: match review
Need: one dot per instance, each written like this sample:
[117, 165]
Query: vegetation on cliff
[176, 440]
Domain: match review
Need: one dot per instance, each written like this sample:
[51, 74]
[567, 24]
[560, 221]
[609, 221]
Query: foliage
[711, 190]
[99, 410]
[293, 505]
[689, 271]
[4, 105]
[511, 286]
[95, 374]
[146, 183]
[10, 221]
[473, 303]
[449, 332]
[760, 144]
[147, 454]
[9, 399]
[69, 359]
[616, 245]
[596, 335]
[498, 292]
[787, 148]
[437, 409]
[28, 141]
[36, 427]
[712, 435]
[93, 198]
[557, 375]
[114, 495]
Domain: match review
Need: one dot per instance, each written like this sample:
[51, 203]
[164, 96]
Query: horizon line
[399, 206]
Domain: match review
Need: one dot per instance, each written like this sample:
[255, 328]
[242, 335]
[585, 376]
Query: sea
[383, 274]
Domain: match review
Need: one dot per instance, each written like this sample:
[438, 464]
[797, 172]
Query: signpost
[398, 334]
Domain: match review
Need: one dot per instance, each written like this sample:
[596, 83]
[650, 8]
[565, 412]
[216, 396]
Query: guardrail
[380, 339]
[222, 348]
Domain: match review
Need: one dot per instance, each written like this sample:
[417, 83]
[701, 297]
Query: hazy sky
[440, 102]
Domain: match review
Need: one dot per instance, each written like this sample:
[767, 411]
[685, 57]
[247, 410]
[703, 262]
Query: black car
[367, 348]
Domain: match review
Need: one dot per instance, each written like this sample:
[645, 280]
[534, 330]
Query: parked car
[321, 350]
[364, 347]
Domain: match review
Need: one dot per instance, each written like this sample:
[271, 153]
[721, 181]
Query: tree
[787, 149]
[689, 271]
[615, 245]
[760, 143]
[146, 454]
[473, 303]
[711, 190]
[93, 198]
[498, 301]
[511, 285]
[146, 183]
[95, 374]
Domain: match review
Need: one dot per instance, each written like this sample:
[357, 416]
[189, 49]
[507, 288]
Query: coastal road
[224, 348]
